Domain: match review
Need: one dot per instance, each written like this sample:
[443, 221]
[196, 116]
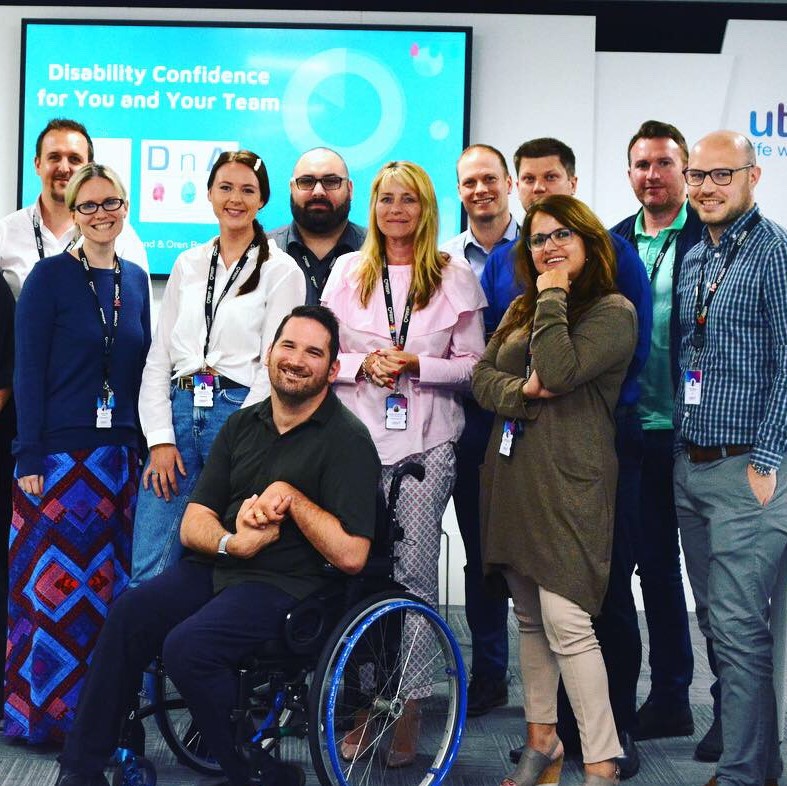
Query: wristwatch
[762, 470]
[225, 539]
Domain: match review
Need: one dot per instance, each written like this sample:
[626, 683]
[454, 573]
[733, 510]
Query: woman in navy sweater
[82, 334]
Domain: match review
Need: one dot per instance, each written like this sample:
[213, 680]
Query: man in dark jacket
[663, 230]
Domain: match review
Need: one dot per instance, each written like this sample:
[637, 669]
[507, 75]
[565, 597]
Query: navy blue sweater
[59, 359]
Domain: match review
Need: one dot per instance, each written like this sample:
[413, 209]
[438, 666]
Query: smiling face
[235, 196]
[484, 186]
[103, 226]
[397, 210]
[62, 153]
[320, 210]
[539, 177]
[656, 174]
[299, 362]
[719, 206]
[570, 257]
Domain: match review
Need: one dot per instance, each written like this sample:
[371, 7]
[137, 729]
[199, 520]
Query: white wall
[531, 76]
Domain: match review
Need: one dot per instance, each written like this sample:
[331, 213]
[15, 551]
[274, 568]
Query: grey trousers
[733, 546]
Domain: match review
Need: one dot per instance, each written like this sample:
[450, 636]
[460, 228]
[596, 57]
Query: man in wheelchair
[289, 484]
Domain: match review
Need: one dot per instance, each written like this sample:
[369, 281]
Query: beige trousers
[556, 638]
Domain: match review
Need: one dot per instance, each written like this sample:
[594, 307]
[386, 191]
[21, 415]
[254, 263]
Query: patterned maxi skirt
[69, 558]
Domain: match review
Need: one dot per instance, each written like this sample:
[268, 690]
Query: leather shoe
[628, 763]
[709, 748]
[660, 720]
[484, 694]
[68, 777]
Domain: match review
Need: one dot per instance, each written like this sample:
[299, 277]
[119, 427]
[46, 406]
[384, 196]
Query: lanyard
[312, 274]
[700, 308]
[408, 310]
[210, 311]
[40, 239]
[109, 334]
[660, 258]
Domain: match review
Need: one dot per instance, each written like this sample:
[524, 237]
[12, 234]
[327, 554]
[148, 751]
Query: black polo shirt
[330, 458]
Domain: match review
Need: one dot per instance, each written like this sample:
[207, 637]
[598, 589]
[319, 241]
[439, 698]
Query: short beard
[320, 222]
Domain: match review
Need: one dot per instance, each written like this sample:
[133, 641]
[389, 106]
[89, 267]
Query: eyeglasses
[560, 237]
[721, 177]
[109, 205]
[328, 182]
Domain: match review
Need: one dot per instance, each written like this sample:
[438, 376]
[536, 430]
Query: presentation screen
[162, 100]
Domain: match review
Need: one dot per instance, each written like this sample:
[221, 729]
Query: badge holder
[396, 411]
[203, 390]
[104, 406]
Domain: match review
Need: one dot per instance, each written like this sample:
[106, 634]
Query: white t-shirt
[18, 252]
[243, 329]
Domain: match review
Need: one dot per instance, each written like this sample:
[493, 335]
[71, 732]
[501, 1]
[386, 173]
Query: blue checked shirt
[744, 360]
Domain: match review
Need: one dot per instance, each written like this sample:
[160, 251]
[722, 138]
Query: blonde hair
[428, 261]
[596, 278]
[88, 172]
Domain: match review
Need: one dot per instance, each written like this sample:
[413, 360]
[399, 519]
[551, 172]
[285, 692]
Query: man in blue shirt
[547, 166]
[484, 185]
[731, 421]
[663, 231]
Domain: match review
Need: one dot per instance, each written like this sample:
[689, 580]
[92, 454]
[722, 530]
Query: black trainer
[68, 777]
[661, 720]
[628, 762]
[484, 694]
[709, 748]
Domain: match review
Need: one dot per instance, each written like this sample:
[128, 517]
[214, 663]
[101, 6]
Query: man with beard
[46, 227]
[289, 484]
[320, 197]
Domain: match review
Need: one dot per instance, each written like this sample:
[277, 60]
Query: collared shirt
[744, 359]
[466, 245]
[243, 329]
[657, 394]
[289, 239]
[330, 458]
[18, 251]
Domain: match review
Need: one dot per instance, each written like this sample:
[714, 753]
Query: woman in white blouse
[222, 305]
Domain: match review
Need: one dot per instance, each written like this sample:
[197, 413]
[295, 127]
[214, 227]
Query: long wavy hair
[597, 277]
[428, 262]
[257, 165]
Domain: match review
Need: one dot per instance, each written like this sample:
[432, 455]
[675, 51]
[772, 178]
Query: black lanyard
[40, 239]
[700, 308]
[312, 276]
[109, 334]
[210, 311]
[408, 311]
[660, 258]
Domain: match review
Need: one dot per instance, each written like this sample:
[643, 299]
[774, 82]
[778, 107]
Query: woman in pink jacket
[411, 331]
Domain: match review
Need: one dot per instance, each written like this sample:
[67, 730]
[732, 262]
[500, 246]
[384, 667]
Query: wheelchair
[349, 659]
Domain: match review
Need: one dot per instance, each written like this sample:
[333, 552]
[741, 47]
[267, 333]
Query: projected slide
[162, 101]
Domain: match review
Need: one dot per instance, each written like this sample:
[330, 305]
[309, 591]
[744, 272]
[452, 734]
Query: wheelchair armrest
[308, 624]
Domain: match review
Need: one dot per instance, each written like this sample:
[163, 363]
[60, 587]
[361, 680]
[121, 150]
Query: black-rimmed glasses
[721, 177]
[109, 205]
[558, 236]
[328, 182]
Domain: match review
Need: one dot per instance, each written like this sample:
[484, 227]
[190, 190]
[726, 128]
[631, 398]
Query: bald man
[320, 198]
[731, 420]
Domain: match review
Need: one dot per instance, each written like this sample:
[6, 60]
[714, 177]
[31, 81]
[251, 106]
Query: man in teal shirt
[663, 230]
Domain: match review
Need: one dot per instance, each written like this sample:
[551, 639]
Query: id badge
[396, 412]
[507, 440]
[203, 390]
[692, 386]
[104, 411]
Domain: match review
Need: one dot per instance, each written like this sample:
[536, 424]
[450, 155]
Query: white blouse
[243, 329]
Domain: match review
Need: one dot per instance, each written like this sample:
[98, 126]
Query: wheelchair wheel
[139, 773]
[391, 657]
[183, 736]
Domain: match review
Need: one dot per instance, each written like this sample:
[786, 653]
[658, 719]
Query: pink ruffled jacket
[447, 336]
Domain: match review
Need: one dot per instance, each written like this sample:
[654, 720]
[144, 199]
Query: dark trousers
[617, 626]
[7, 434]
[203, 638]
[658, 558]
[487, 617]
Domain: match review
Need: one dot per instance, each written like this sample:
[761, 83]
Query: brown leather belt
[699, 455]
[219, 383]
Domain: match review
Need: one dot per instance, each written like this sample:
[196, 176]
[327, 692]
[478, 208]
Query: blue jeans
[156, 543]
[487, 617]
[658, 560]
[733, 547]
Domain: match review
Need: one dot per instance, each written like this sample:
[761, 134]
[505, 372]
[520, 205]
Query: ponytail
[263, 252]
